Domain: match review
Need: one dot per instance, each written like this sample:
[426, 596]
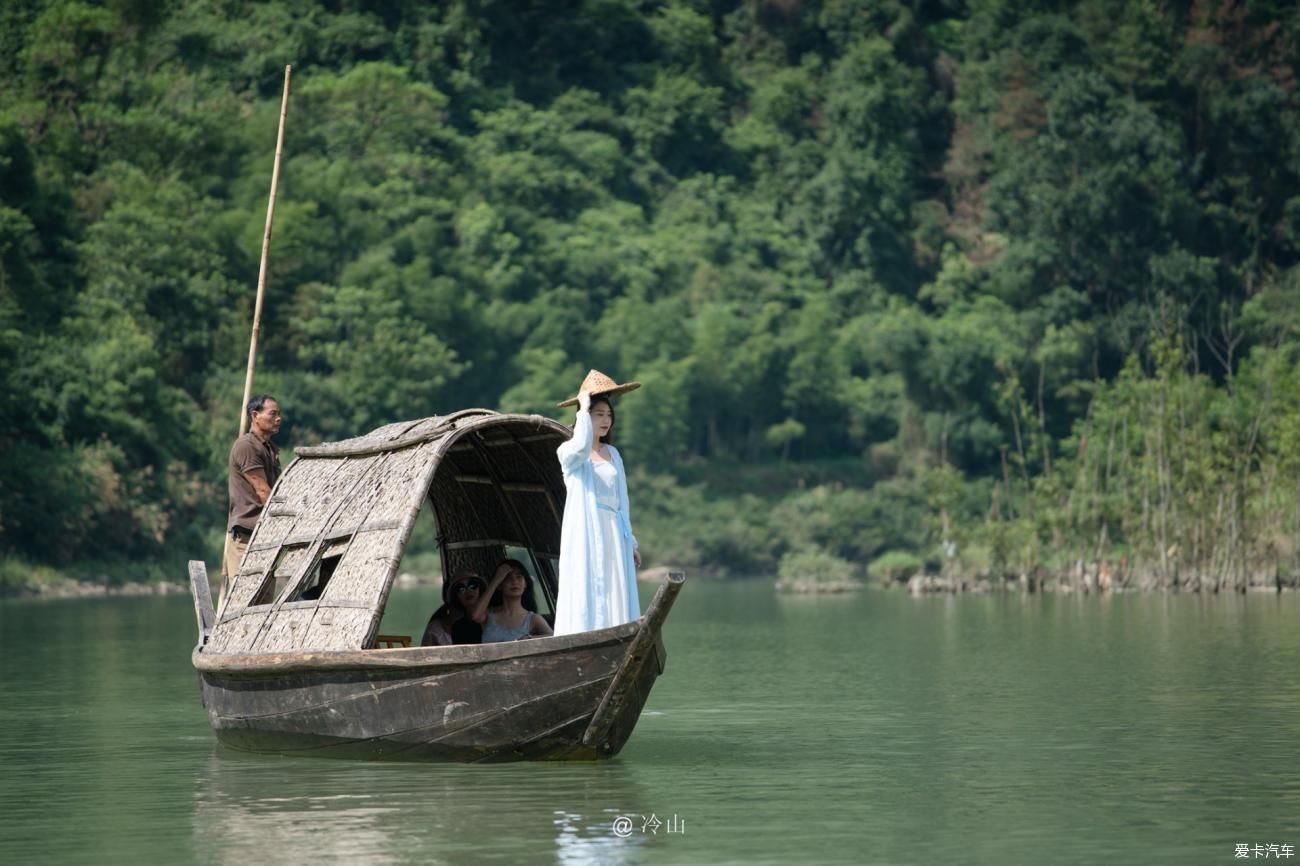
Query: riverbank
[52, 586]
[88, 589]
[27, 581]
[20, 578]
[1087, 584]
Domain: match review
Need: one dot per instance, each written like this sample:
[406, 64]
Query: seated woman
[451, 623]
[508, 610]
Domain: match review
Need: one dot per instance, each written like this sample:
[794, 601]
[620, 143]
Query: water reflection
[304, 809]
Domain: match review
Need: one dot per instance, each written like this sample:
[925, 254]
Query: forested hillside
[997, 287]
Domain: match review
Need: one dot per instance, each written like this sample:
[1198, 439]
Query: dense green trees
[994, 286]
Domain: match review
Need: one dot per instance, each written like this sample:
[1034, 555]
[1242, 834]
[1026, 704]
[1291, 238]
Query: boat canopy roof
[322, 560]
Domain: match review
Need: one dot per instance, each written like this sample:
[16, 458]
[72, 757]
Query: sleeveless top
[493, 633]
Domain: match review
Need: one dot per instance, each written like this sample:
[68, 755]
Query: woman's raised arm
[575, 451]
[479, 613]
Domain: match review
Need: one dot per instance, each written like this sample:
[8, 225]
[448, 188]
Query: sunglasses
[467, 585]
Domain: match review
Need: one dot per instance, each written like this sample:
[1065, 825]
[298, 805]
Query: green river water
[872, 728]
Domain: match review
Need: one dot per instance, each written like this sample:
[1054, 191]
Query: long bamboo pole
[261, 271]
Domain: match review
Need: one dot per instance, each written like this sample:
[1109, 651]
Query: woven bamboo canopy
[341, 515]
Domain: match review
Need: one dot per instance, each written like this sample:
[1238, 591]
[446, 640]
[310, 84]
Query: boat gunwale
[408, 658]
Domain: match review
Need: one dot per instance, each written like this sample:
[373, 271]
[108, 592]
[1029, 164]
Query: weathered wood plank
[271, 664]
[623, 691]
[513, 707]
[202, 594]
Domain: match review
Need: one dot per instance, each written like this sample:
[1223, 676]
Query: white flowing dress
[597, 572]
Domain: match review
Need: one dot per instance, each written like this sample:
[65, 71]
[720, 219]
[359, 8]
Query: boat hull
[528, 700]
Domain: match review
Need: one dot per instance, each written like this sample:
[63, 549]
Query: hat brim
[612, 392]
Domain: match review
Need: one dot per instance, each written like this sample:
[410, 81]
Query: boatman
[254, 466]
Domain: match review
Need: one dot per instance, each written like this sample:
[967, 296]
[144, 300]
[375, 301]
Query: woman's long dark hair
[463, 629]
[608, 438]
[529, 601]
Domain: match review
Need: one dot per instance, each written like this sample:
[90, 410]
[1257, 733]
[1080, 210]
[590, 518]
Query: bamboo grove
[999, 290]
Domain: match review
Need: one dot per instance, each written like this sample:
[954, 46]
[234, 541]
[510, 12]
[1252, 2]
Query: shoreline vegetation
[947, 296]
[1081, 580]
[918, 585]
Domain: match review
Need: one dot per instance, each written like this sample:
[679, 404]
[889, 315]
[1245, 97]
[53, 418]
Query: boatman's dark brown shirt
[249, 453]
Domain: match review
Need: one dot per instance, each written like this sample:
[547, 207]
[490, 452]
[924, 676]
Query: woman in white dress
[598, 552]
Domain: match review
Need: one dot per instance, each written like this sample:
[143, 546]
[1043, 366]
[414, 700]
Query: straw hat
[598, 383]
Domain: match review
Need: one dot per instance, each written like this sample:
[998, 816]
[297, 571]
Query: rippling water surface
[874, 728]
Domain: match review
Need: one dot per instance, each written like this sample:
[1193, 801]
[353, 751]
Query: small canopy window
[314, 583]
[283, 570]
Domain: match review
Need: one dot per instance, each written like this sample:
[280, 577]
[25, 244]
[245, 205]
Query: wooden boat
[310, 675]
